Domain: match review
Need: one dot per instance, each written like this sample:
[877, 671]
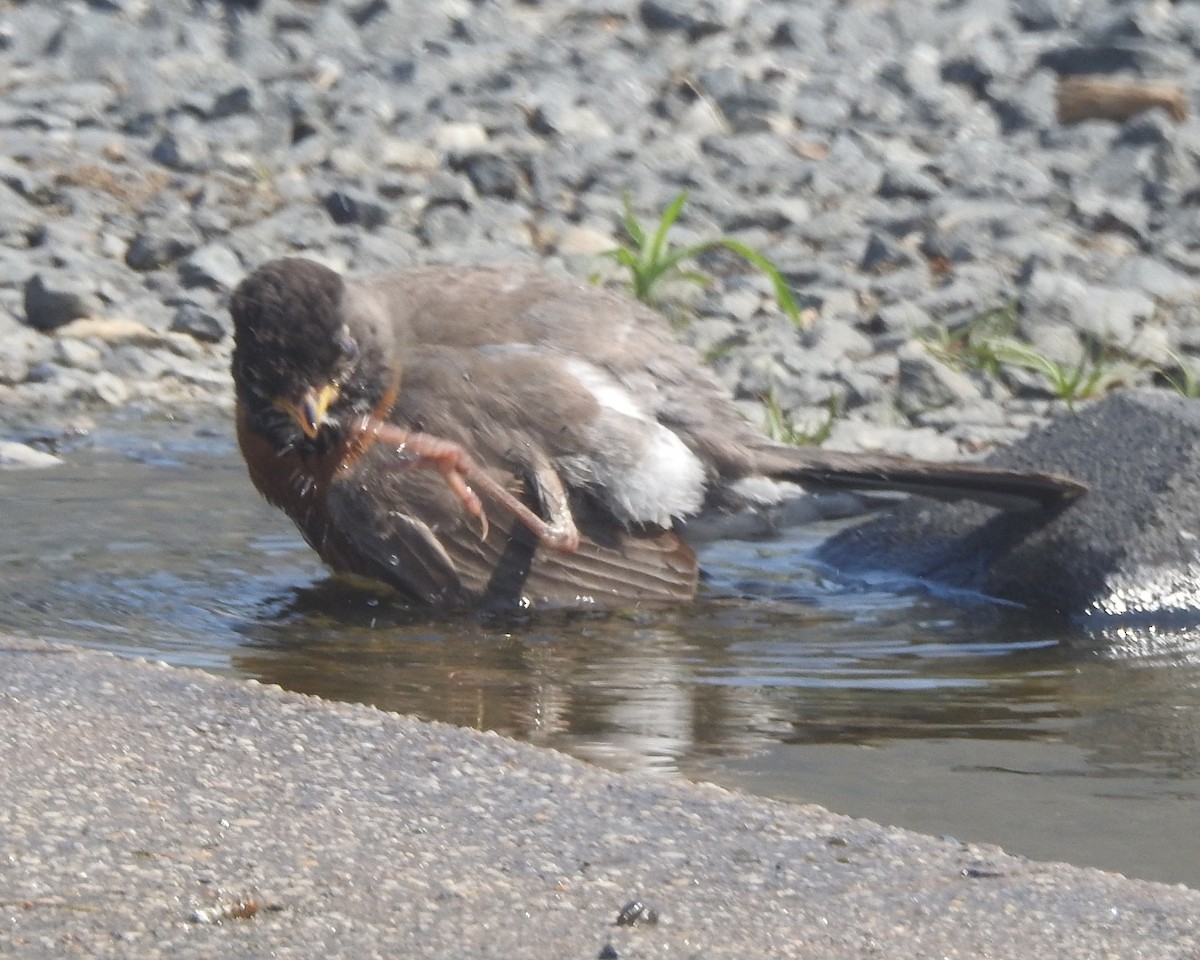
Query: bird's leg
[462, 474]
[553, 495]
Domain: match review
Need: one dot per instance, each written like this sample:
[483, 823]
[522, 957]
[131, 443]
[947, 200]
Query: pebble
[111, 331]
[695, 18]
[23, 350]
[53, 300]
[903, 166]
[925, 382]
[106, 388]
[212, 265]
[19, 456]
[199, 324]
[156, 247]
[78, 353]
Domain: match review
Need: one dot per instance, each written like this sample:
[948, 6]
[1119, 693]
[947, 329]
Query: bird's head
[303, 363]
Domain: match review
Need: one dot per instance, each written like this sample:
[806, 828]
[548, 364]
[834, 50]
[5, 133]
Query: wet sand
[148, 810]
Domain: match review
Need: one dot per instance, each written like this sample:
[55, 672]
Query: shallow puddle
[946, 715]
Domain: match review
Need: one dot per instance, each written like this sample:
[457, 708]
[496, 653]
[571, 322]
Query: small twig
[55, 904]
[1096, 98]
[236, 908]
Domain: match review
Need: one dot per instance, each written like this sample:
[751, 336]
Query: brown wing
[511, 409]
[408, 529]
[473, 308]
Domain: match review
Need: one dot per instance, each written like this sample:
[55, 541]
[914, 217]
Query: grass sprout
[1093, 374]
[1182, 376]
[780, 426]
[972, 346]
[652, 259]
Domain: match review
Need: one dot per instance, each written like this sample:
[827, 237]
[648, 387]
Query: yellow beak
[310, 408]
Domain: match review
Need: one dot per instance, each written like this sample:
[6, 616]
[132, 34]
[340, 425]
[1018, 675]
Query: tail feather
[1008, 489]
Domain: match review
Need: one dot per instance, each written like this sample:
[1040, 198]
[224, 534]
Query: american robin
[509, 437]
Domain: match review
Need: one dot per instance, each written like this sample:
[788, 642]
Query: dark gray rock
[199, 324]
[491, 174]
[1129, 548]
[985, 58]
[696, 18]
[1099, 211]
[345, 208]
[1140, 58]
[159, 246]
[797, 26]
[235, 100]
[776, 214]
[1044, 14]
[883, 254]
[183, 146]
[53, 299]
[43, 372]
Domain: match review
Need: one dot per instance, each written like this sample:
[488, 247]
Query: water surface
[946, 715]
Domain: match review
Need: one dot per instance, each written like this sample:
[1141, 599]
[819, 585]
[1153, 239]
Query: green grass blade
[694, 276]
[623, 255]
[787, 303]
[629, 221]
[654, 251]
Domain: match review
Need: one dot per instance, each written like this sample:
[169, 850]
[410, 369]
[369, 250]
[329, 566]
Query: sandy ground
[148, 810]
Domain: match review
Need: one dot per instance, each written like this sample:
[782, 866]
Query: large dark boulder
[1130, 547]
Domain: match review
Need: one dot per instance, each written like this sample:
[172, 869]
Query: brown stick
[1102, 98]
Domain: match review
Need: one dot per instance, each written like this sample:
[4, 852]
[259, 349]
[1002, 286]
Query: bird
[507, 437]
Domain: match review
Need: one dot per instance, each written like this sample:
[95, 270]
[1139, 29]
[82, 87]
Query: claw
[459, 471]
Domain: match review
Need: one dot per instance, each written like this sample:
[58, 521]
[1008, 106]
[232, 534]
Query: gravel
[901, 162]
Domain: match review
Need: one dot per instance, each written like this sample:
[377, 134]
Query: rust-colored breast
[295, 484]
[298, 483]
[289, 479]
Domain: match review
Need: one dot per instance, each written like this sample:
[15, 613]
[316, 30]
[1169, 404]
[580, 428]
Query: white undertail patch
[654, 480]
